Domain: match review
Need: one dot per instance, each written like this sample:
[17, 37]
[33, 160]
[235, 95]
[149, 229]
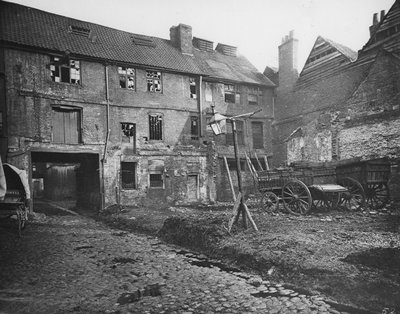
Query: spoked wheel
[354, 198]
[377, 195]
[270, 202]
[296, 197]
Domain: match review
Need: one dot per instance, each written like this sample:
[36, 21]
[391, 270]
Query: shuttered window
[66, 125]
[257, 133]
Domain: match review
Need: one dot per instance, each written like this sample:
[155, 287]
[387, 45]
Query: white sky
[256, 27]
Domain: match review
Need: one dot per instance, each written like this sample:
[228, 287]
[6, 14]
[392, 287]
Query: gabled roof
[325, 58]
[35, 29]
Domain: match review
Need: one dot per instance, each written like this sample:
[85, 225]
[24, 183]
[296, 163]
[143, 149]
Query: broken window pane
[64, 70]
[154, 81]
[192, 82]
[155, 127]
[126, 78]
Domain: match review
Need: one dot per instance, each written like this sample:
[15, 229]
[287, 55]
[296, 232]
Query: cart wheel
[331, 200]
[377, 195]
[270, 202]
[296, 197]
[354, 198]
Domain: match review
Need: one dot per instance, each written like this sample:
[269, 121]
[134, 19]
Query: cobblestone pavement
[73, 264]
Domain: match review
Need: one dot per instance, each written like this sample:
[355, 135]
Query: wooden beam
[258, 162]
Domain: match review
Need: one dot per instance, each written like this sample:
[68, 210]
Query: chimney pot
[375, 19]
[382, 15]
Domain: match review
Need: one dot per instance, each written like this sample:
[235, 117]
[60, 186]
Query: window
[155, 127]
[129, 134]
[254, 92]
[232, 165]
[192, 83]
[67, 71]
[156, 173]
[126, 78]
[194, 128]
[239, 132]
[231, 94]
[66, 125]
[154, 81]
[128, 175]
[257, 132]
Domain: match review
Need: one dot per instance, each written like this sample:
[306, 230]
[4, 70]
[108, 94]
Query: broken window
[231, 94]
[66, 125]
[194, 128]
[192, 83]
[126, 78]
[154, 83]
[239, 133]
[65, 70]
[155, 127]
[128, 175]
[156, 173]
[257, 132]
[129, 134]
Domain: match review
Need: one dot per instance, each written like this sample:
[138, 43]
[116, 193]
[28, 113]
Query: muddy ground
[350, 258]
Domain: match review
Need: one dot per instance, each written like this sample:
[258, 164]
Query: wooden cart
[372, 177]
[15, 195]
[302, 187]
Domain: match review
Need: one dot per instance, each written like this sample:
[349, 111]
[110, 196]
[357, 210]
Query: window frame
[60, 67]
[129, 131]
[152, 129]
[123, 73]
[256, 92]
[150, 82]
[134, 174]
[231, 94]
[194, 127]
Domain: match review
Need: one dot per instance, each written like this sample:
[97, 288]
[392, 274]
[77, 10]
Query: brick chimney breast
[181, 38]
[288, 72]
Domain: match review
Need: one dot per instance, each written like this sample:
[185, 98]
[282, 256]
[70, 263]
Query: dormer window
[143, 40]
[81, 31]
[65, 70]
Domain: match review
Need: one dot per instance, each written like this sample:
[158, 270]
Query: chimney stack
[375, 23]
[288, 72]
[382, 15]
[181, 37]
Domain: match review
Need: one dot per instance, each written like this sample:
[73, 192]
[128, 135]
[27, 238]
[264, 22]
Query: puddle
[200, 261]
[381, 258]
[131, 297]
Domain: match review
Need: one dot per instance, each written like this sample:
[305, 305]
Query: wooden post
[266, 162]
[258, 162]
[230, 179]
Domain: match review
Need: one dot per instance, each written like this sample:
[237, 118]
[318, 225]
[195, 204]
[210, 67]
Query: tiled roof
[346, 51]
[29, 27]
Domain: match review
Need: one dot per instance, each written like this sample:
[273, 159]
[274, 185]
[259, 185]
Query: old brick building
[103, 116]
[343, 104]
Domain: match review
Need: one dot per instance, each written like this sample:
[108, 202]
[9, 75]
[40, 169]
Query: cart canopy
[14, 179]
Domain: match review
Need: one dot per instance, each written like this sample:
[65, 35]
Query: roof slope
[33, 28]
[387, 32]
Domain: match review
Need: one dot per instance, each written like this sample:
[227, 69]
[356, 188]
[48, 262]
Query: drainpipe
[200, 107]
[104, 159]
